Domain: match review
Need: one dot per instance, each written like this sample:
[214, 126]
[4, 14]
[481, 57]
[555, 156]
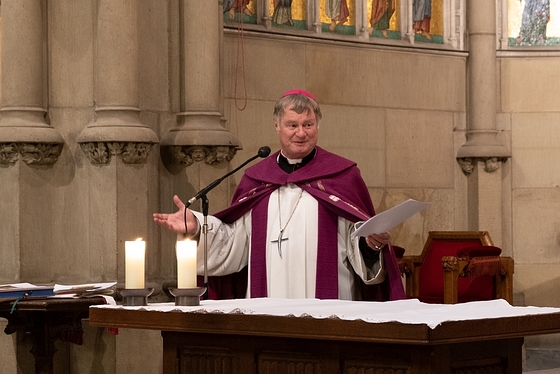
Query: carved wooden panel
[373, 367]
[481, 370]
[293, 364]
[207, 360]
[494, 365]
[221, 354]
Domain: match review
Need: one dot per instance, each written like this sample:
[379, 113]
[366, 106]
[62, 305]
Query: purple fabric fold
[259, 287]
[326, 286]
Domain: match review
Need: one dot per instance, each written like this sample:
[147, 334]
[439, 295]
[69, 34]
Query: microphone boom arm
[211, 186]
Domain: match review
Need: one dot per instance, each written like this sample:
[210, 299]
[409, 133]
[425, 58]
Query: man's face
[297, 133]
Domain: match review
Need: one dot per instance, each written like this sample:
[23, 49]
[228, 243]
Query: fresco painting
[532, 23]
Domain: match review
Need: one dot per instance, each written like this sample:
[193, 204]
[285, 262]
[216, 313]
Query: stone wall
[529, 107]
[400, 113]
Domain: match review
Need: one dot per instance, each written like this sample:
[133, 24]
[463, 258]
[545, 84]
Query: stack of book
[18, 291]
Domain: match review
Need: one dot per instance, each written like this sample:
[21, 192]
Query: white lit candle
[135, 252]
[186, 264]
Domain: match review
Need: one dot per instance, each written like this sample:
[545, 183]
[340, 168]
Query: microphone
[263, 152]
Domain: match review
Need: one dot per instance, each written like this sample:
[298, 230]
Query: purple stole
[337, 185]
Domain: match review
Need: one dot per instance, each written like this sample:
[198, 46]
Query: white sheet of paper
[83, 288]
[22, 286]
[390, 218]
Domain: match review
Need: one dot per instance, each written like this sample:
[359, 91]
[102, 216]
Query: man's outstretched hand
[176, 221]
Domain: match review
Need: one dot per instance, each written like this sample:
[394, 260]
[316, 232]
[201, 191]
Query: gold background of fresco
[436, 24]
[515, 12]
[299, 11]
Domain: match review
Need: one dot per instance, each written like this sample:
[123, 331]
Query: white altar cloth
[410, 311]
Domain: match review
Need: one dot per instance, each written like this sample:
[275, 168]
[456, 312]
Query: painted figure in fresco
[283, 12]
[337, 11]
[536, 15]
[230, 6]
[421, 16]
[381, 13]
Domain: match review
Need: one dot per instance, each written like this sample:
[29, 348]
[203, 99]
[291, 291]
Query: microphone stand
[205, 205]
[212, 185]
[263, 152]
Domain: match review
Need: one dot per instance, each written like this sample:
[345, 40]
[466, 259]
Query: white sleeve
[228, 245]
[373, 275]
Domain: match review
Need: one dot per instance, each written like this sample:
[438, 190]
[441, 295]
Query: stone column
[482, 96]
[483, 151]
[263, 15]
[24, 131]
[115, 139]
[200, 134]
[117, 129]
[23, 126]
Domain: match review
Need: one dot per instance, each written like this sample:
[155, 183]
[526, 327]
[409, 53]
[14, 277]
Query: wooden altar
[203, 342]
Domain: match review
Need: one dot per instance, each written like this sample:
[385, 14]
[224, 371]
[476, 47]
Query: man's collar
[290, 165]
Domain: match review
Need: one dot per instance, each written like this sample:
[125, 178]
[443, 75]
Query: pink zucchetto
[299, 92]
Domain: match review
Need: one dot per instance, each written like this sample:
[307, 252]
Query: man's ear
[276, 127]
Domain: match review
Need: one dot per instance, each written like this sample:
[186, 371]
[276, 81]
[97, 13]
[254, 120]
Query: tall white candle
[186, 264]
[135, 257]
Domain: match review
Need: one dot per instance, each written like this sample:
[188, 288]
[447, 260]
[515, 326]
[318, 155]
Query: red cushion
[480, 251]
[431, 274]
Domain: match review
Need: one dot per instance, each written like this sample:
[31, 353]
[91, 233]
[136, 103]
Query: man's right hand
[176, 221]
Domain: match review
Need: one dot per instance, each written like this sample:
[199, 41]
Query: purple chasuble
[337, 185]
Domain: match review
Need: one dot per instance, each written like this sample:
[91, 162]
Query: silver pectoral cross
[279, 241]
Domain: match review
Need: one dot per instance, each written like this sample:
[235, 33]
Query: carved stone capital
[491, 164]
[9, 153]
[39, 153]
[210, 155]
[199, 136]
[131, 152]
[31, 153]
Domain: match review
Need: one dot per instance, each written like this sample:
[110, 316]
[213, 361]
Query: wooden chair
[458, 266]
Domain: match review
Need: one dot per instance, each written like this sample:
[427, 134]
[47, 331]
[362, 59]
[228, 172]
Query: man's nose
[300, 131]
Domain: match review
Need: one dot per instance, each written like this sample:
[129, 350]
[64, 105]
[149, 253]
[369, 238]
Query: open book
[24, 291]
[390, 218]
